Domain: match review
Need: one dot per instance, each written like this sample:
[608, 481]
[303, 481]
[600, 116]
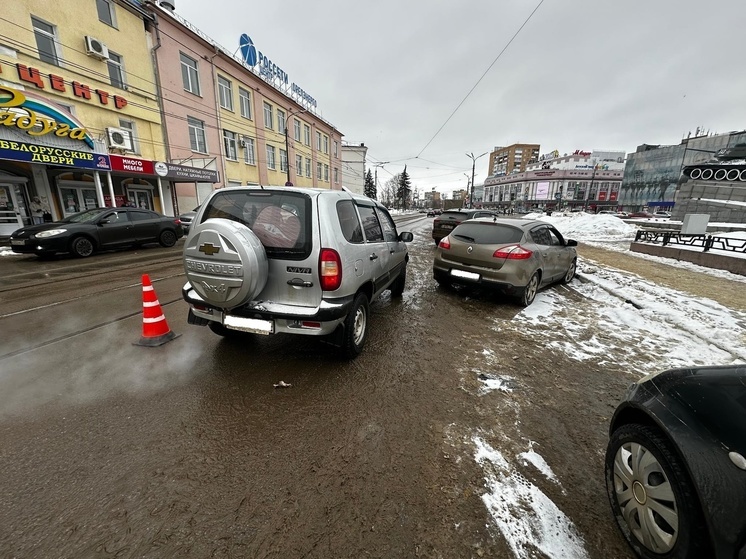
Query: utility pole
[287, 145]
[473, 166]
[375, 180]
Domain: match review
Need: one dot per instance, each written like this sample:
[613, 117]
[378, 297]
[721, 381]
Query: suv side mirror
[406, 236]
[571, 243]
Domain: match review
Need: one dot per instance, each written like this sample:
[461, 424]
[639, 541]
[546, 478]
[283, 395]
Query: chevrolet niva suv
[292, 260]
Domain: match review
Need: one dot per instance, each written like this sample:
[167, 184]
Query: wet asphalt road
[187, 450]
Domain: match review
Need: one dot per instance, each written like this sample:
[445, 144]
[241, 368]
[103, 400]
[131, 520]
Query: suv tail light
[445, 243]
[513, 252]
[330, 269]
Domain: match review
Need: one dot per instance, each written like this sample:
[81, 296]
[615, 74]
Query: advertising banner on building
[131, 165]
[48, 155]
[185, 173]
[542, 190]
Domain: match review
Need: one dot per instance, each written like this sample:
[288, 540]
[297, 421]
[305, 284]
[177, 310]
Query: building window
[189, 74]
[226, 93]
[283, 160]
[229, 139]
[296, 130]
[197, 135]
[298, 164]
[46, 41]
[244, 99]
[318, 170]
[249, 152]
[336, 148]
[106, 12]
[271, 157]
[307, 134]
[130, 127]
[318, 141]
[280, 121]
[116, 70]
[268, 116]
[336, 175]
[326, 173]
[326, 144]
[308, 167]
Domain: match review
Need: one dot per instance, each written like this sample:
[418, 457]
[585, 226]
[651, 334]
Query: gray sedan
[517, 256]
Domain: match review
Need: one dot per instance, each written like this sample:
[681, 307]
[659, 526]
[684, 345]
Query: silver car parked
[517, 256]
[292, 260]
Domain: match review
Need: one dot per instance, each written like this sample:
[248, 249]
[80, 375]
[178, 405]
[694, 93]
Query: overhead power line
[482, 77]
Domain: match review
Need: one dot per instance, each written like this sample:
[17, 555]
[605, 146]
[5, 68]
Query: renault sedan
[516, 256]
[84, 233]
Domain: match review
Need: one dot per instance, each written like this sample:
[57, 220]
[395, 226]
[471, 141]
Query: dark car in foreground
[449, 219]
[86, 232]
[516, 256]
[676, 464]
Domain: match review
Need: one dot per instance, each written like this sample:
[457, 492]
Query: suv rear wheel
[355, 327]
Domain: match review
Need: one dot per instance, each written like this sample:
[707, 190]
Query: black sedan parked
[84, 233]
[676, 464]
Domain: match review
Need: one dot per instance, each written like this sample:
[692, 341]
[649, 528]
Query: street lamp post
[287, 145]
[473, 166]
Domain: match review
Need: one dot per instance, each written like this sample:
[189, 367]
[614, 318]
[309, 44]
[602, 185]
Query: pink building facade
[220, 114]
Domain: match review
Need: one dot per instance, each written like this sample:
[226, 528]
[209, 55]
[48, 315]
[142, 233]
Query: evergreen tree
[369, 188]
[405, 189]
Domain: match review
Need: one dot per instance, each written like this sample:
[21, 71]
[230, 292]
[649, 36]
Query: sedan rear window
[487, 233]
[453, 215]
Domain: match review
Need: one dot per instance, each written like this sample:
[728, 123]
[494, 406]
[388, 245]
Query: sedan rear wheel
[529, 292]
[167, 238]
[652, 497]
[81, 247]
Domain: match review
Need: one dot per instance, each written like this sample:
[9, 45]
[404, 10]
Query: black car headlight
[50, 233]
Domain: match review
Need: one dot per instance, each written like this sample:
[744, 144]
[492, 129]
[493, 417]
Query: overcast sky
[582, 74]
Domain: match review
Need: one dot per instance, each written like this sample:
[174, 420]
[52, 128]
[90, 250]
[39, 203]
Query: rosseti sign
[269, 70]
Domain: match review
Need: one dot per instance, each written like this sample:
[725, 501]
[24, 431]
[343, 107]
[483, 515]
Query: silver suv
[292, 260]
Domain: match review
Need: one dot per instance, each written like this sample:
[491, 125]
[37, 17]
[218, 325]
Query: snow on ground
[526, 517]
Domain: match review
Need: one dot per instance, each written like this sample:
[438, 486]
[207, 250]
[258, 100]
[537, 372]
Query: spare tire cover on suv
[225, 263]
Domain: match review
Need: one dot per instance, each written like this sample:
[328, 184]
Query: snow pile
[589, 227]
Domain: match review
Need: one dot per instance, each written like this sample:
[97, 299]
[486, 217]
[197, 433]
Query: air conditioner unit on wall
[244, 141]
[119, 138]
[95, 48]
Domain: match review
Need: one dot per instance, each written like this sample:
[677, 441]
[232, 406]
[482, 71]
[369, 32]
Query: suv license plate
[18, 242]
[466, 275]
[447, 226]
[252, 325]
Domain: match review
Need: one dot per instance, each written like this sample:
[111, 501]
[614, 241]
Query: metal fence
[703, 241]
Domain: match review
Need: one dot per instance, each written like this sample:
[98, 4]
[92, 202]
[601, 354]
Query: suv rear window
[281, 220]
[487, 233]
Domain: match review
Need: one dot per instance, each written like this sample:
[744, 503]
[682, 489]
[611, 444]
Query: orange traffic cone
[155, 330]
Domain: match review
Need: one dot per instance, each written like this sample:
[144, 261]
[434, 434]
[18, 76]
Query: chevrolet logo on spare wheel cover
[225, 263]
[209, 249]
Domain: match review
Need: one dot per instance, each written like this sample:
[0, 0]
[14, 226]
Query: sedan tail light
[513, 252]
[445, 243]
[330, 269]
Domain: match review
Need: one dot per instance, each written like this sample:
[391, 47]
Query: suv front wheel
[355, 327]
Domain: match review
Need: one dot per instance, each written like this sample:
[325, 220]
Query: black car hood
[33, 229]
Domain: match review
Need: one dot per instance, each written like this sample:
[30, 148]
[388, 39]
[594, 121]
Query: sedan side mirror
[406, 236]
[571, 243]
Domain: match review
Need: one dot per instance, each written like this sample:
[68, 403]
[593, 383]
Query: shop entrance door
[10, 213]
[77, 199]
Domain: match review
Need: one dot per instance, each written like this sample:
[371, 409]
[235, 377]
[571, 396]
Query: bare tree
[390, 188]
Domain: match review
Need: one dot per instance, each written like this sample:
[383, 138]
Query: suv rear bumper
[290, 319]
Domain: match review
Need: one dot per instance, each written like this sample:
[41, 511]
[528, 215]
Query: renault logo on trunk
[209, 249]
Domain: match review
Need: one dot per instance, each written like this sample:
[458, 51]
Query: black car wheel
[652, 497]
[397, 287]
[570, 271]
[81, 247]
[355, 328]
[167, 238]
[528, 293]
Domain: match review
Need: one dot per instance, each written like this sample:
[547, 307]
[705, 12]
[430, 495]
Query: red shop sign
[131, 165]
